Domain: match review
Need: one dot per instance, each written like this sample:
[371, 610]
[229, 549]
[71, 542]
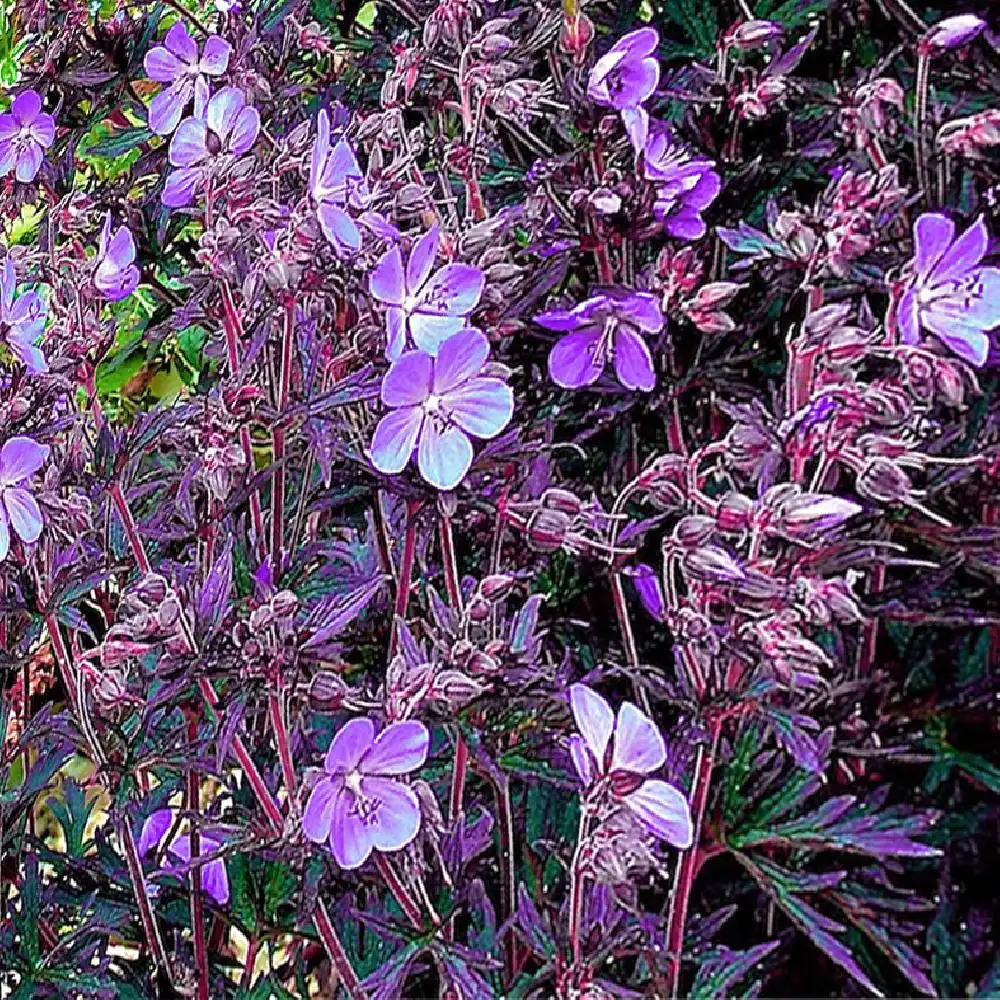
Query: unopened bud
[694, 531]
[327, 691]
[951, 33]
[753, 34]
[882, 479]
[496, 586]
[284, 603]
[712, 565]
[478, 609]
[733, 513]
[151, 589]
[562, 500]
[547, 529]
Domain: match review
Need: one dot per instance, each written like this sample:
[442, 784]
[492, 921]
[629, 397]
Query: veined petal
[418, 267]
[116, 283]
[162, 65]
[43, 130]
[154, 830]
[444, 455]
[352, 742]
[583, 760]
[29, 162]
[574, 360]
[350, 839]
[633, 362]
[386, 282]
[20, 458]
[8, 127]
[189, 145]
[948, 320]
[932, 235]
[594, 719]
[27, 309]
[166, 108]
[318, 815]
[215, 880]
[636, 121]
[963, 255]
[223, 110]
[454, 290]
[638, 742]
[180, 187]
[178, 40]
[22, 510]
[121, 248]
[395, 333]
[400, 748]
[215, 56]
[395, 438]
[8, 157]
[908, 317]
[482, 407]
[396, 821]
[26, 107]
[664, 811]
[321, 149]
[430, 330]
[408, 381]
[338, 228]
[460, 358]
[4, 534]
[244, 133]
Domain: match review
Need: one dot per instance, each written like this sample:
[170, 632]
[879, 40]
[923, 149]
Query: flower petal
[454, 290]
[29, 162]
[351, 743]
[594, 719]
[43, 130]
[397, 820]
[20, 458]
[215, 56]
[395, 438]
[482, 407]
[633, 362]
[154, 830]
[460, 358]
[162, 65]
[338, 228]
[318, 815]
[638, 742]
[582, 759]
[189, 144]
[664, 811]
[350, 838]
[223, 110]
[215, 880]
[22, 509]
[408, 381]
[963, 255]
[179, 41]
[908, 317]
[166, 108]
[245, 130]
[932, 233]
[430, 330]
[386, 282]
[180, 187]
[4, 534]
[395, 333]
[422, 256]
[574, 362]
[398, 749]
[443, 455]
[26, 107]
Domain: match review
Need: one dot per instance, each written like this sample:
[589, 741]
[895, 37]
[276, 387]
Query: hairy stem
[576, 887]
[920, 122]
[405, 571]
[278, 438]
[129, 526]
[402, 895]
[335, 950]
[192, 805]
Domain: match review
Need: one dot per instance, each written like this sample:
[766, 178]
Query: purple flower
[116, 276]
[685, 185]
[229, 128]
[20, 459]
[214, 879]
[950, 294]
[618, 754]
[628, 73]
[607, 326]
[951, 33]
[437, 403]
[176, 62]
[25, 132]
[359, 805]
[22, 321]
[336, 181]
[432, 309]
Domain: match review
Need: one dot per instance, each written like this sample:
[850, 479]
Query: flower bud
[753, 34]
[478, 609]
[481, 662]
[455, 688]
[284, 603]
[712, 565]
[694, 531]
[497, 586]
[804, 517]
[327, 691]
[562, 500]
[951, 33]
[733, 513]
[547, 529]
[882, 479]
[151, 589]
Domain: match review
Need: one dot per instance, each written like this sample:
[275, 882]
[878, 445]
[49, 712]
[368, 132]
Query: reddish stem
[197, 904]
[406, 902]
[128, 524]
[405, 571]
[284, 748]
[335, 950]
[278, 439]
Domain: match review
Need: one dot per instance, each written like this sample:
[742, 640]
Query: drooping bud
[733, 513]
[753, 34]
[563, 500]
[547, 529]
[497, 586]
[327, 691]
[951, 33]
[882, 479]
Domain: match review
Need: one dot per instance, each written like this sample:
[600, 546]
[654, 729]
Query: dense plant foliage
[498, 499]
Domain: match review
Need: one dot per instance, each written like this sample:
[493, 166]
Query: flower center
[213, 143]
[432, 405]
[353, 783]
[364, 807]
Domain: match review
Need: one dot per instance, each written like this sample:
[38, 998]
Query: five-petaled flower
[20, 459]
[607, 326]
[360, 805]
[614, 756]
[214, 879]
[432, 309]
[625, 77]
[685, 185]
[437, 403]
[177, 63]
[116, 276]
[336, 183]
[229, 128]
[25, 133]
[22, 321]
[951, 294]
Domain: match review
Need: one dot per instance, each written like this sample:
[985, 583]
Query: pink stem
[405, 572]
[128, 523]
[278, 439]
[402, 895]
[335, 950]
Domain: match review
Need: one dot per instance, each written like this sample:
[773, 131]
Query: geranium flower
[336, 181]
[628, 73]
[116, 276]
[25, 133]
[214, 879]
[360, 805]
[432, 309]
[951, 294]
[685, 185]
[608, 326]
[20, 459]
[613, 756]
[229, 128]
[437, 404]
[22, 321]
[177, 62]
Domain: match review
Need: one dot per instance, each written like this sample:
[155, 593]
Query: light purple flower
[229, 128]
[20, 459]
[608, 326]
[951, 33]
[360, 805]
[336, 182]
[437, 403]
[620, 753]
[22, 321]
[214, 879]
[628, 73]
[177, 63]
[25, 133]
[116, 276]
[951, 295]
[430, 308]
[685, 185]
